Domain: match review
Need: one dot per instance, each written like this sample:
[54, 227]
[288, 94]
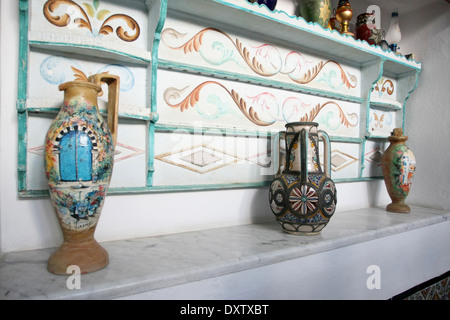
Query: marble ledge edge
[110, 289]
[149, 283]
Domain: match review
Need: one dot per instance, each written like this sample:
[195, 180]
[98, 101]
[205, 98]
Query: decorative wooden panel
[205, 87]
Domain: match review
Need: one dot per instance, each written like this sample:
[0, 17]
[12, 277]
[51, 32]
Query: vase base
[302, 229]
[301, 233]
[398, 207]
[89, 256]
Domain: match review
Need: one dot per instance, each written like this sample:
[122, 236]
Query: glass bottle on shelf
[393, 35]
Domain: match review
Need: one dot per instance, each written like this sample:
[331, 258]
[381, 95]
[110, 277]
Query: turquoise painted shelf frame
[241, 17]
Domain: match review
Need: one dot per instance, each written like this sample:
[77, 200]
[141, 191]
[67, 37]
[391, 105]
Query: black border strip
[420, 287]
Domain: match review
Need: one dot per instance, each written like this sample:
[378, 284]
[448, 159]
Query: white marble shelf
[147, 264]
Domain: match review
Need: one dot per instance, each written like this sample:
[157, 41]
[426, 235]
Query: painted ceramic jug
[302, 195]
[79, 151]
[318, 11]
[398, 165]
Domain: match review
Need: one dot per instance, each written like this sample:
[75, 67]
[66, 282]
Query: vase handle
[279, 158]
[326, 156]
[113, 83]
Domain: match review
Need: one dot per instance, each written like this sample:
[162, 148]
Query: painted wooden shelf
[212, 78]
[90, 50]
[289, 30]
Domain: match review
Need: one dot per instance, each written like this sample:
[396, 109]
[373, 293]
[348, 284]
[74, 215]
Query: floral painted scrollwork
[80, 17]
[265, 102]
[315, 111]
[58, 69]
[195, 43]
[265, 61]
[64, 20]
[194, 97]
[384, 86]
[121, 33]
[310, 75]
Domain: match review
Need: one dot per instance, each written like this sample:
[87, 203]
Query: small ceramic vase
[318, 11]
[399, 165]
[332, 23]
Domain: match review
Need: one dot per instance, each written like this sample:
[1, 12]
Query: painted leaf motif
[315, 111]
[79, 75]
[106, 30]
[192, 99]
[102, 14]
[64, 20]
[89, 9]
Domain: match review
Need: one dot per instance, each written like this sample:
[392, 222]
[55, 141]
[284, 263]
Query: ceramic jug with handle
[79, 151]
[302, 196]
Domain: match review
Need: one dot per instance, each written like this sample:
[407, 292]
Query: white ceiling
[403, 6]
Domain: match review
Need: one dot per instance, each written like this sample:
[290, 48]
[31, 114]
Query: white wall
[427, 35]
[29, 224]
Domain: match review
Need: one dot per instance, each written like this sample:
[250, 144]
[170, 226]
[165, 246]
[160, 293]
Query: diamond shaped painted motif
[200, 158]
[374, 156]
[340, 160]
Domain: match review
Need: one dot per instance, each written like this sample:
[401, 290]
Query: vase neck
[76, 89]
[397, 140]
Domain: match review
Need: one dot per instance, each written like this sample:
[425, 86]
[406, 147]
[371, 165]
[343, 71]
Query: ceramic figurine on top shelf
[366, 30]
[79, 151]
[318, 11]
[344, 14]
[302, 196]
[398, 164]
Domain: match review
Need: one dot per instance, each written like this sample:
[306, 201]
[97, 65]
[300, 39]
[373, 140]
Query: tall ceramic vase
[318, 11]
[398, 165]
[302, 196]
[79, 150]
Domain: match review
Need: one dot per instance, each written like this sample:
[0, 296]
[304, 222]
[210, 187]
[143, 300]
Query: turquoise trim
[346, 139]
[216, 130]
[48, 44]
[367, 108]
[234, 132]
[153, 90]
[385, 105]
[380, 74]
[184, 188]
[361, 179]
[407, 97]
[121, 114]
[22, 96]
[362, 161]
[227, 75]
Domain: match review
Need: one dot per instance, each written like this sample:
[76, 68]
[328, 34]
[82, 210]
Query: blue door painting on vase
[75, 157]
